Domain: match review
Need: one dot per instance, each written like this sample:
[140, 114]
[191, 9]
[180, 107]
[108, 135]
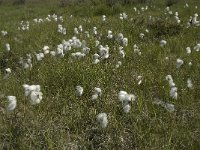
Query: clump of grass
[19, 2]
[163, 27]
[170, 2]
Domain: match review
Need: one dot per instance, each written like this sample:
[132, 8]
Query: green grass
[63, 121]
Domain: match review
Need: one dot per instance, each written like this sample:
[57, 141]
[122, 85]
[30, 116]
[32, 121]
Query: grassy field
[158, 111]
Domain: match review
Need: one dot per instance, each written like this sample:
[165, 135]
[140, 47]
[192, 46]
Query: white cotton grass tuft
[125, 41]
[34, 93]
[102, 120]
[136, 49]
[170, 80]
[46, 49]
[79, 91]
[35, 97]
[173, 89]
[126, 108]
[96, 58]
[197, 47]
[126, 98]
[179, 63]
[26, 63]
[104, 52]
[95, 31]
[109, 36]
[12, 103]
[141, 35]
[139, 80]
[123, 16]
[190, 64]
[121, 52]
[188, 50]
[61, 29]
[96, 93]
[97, 43]
[8, 72]
[7, 47]
[173, 93]
[119, 63]
[78, 55]
[189, 84]
[76, 31]
[169, 107]
[103, 18]
[4, 33]
[39, 56]
[163, 43]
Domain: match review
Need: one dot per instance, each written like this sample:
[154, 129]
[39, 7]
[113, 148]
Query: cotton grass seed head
[79, 91]
[12, 103]
[102, 120]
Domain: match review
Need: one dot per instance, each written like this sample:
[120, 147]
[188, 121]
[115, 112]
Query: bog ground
[92, 76]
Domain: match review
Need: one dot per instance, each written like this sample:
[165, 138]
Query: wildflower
[79, 91]
[12, 103]
[102, 120]
[179, 63]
